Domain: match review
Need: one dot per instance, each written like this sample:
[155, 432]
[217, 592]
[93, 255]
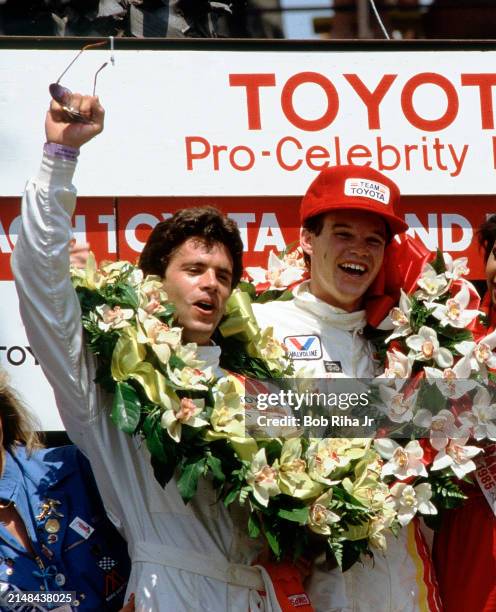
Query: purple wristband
[61, 151]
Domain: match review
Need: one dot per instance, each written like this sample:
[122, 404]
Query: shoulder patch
[303, 347]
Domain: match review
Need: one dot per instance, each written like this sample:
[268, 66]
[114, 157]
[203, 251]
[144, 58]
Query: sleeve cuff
[62, 152]
[56, 170]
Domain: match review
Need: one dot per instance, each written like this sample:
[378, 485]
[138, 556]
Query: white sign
[16, 357]
[258, 122]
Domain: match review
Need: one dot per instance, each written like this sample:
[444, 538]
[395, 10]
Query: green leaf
[231, 496]
[253, 526]
[352, 552]
[336, 549]
[121, 294]
[273, 541]
[187, 483]
[272, 295]
[248, 288]
[154, 439]
[298, 515]
[215, 465]
[438, 264]
[126, 408]
[419, 314]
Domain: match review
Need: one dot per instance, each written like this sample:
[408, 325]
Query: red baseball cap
[353, 188]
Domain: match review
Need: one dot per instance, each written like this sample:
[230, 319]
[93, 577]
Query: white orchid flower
[452, 382]
[480, 421]
[480, 353]
[321, 518]
[399, 365]
[431, 284]
[409, 500]
[161, 338]
[262, 478]
[295, 258]
[179, 413]
[398, 408]
[399, 318]
[403, 461]
[280, 273]
[457, 456]
[454, 312]
[152, 294]
[441, 425]
[455, 268]
[425, 347]
[113, 318]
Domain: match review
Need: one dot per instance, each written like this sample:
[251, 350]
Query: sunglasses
[63, 96]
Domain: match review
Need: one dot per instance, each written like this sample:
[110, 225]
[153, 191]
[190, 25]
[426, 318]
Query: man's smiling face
[345, 257]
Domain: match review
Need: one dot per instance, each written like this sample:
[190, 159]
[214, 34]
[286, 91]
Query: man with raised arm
[185, 557]
[347, 220]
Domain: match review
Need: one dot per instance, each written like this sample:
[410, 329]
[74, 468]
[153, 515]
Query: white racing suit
[185, 558]
[328, 341]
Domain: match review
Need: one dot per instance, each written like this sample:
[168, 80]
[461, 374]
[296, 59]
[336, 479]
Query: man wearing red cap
[347, 220]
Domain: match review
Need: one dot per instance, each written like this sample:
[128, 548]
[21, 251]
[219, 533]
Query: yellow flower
[293, 477]
[127, 355]
[188, 353]
[190, 378]
[128, 362]
[272, 351]
[228, 414]
[330, 455]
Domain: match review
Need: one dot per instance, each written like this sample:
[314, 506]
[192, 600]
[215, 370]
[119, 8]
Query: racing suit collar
[337, 317]
[209, 354]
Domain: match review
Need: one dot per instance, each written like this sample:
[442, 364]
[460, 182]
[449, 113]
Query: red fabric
[479, 330]
[465, 547]
[465, 556]
[353, 188]
[428, 573]
[288, 586]
[402, 266]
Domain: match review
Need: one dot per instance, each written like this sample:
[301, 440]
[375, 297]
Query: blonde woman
[54, 536]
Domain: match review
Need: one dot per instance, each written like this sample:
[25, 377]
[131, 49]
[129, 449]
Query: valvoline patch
[304, 347]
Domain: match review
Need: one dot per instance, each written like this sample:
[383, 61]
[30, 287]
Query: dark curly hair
[486, 235]
[204, 222]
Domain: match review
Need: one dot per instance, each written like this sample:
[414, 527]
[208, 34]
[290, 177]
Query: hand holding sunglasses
[65, 97]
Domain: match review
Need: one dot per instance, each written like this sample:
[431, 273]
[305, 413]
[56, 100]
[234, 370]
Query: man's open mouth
[354, 269]
[206, 307]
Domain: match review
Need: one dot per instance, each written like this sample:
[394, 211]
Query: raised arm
[48, 303]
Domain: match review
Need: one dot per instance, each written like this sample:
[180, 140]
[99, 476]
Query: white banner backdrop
[17, 359]
[260, 122]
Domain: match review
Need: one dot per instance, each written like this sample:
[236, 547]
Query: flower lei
[437, 380]
[301, 493]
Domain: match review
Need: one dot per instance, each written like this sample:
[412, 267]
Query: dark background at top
[343, 19]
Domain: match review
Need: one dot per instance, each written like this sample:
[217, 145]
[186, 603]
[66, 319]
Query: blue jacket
[77, 548]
